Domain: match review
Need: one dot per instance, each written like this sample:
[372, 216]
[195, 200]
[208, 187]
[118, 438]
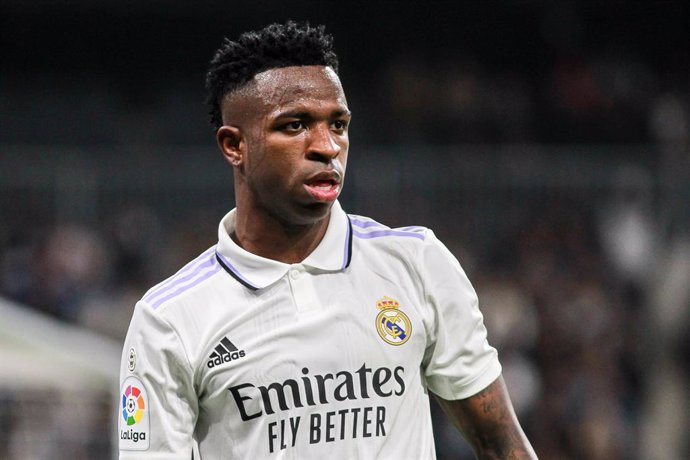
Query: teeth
[322, 185]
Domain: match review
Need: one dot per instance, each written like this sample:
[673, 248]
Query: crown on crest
[386, 302]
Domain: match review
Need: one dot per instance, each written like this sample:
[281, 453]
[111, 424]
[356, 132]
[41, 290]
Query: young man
[305, 332]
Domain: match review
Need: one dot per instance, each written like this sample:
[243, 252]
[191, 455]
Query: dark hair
[277, 45]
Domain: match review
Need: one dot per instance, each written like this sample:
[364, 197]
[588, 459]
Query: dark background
[545, 142]
[72, 69]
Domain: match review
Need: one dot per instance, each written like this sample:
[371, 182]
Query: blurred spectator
[628, 229]
[57, 273]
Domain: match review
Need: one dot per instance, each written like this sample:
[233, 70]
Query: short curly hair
[278, 45]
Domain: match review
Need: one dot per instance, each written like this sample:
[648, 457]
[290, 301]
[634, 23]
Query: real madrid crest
[392, 324]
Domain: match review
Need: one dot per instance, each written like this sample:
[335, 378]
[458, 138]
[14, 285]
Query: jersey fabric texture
[246, 357]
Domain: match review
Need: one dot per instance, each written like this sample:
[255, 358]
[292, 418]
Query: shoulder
[193, 278]
[173, 315]
[367, 229]
[408, 241]
[379, 246]
[414, 245]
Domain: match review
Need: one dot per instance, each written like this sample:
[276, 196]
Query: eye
[294, 126]
[340, 125]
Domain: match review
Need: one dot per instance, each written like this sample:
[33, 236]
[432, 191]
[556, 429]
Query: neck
[268, 237]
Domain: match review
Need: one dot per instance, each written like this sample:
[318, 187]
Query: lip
[324, 186]
[325, 176]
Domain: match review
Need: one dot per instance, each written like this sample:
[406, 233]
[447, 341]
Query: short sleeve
[458, 361]
[158, 406]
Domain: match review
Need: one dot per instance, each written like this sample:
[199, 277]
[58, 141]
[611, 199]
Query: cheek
[344, 144]
[274, 165]
[340, 164]
[341, 159]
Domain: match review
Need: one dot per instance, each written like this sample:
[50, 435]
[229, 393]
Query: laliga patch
[134, 415]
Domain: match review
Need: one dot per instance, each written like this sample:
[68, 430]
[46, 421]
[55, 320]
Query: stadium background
[545, 142]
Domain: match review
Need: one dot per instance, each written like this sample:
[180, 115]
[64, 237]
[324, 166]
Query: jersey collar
[256, 272]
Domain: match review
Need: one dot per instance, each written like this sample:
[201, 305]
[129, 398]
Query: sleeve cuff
[450, 391]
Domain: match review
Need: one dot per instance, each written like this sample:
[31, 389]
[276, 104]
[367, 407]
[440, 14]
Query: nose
[323, 145]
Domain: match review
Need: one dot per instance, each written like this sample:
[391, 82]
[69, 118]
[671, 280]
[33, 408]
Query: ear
[231, 144]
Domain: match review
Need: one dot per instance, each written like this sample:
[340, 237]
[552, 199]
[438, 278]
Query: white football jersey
[329, 358]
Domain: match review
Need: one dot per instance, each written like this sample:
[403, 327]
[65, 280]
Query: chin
[314, 212]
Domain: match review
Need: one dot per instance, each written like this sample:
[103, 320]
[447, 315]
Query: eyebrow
[303, 114]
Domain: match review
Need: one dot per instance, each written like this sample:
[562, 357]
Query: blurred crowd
[587, 302]
[609, 98]
[470, 72]
[585, 290]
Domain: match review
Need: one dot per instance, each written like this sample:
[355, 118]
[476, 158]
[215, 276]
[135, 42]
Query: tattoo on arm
[488, 422]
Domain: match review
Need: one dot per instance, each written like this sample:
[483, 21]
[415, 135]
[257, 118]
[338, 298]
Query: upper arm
[460, 367]
[488, 422]
[160, 418]
[458, 360]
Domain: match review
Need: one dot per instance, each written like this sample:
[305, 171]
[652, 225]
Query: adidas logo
[224, 352]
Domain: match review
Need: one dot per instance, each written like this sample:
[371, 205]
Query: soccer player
[306, 332]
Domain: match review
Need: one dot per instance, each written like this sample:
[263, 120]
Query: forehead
[286, 86]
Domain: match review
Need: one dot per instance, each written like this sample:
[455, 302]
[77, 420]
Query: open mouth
[323, 189]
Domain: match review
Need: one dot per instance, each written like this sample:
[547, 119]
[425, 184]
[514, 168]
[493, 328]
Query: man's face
[294, 122]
